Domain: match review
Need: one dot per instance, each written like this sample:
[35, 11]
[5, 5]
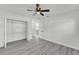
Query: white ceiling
[21, 8]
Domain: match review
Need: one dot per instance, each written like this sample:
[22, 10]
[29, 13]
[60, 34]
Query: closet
[16, 30]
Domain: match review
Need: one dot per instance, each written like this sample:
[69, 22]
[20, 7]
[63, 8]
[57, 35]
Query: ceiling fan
[38, 10]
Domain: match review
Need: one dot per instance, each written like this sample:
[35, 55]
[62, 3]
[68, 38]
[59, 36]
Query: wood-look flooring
[36, 47]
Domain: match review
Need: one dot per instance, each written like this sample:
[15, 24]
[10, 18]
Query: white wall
[63, 29]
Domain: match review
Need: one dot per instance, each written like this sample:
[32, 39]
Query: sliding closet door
[2, 32]
[9, 30]
[16, 30]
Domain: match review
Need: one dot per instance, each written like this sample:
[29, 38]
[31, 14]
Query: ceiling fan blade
[42, 14]
[45, 10]
[29, 10]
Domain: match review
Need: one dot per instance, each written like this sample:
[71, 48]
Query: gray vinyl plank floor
[36, 47]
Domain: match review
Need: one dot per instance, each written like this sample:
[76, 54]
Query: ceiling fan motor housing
[38, 9]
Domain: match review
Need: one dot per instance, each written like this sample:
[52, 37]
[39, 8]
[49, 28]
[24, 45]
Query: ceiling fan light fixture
[38, 13]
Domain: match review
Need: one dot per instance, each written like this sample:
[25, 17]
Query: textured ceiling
[21, 9]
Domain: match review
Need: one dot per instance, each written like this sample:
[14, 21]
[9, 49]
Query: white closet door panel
[19, 36]
[9, 31]
[18, 26]
[10, 38]
[9, 28]
[2, 32]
